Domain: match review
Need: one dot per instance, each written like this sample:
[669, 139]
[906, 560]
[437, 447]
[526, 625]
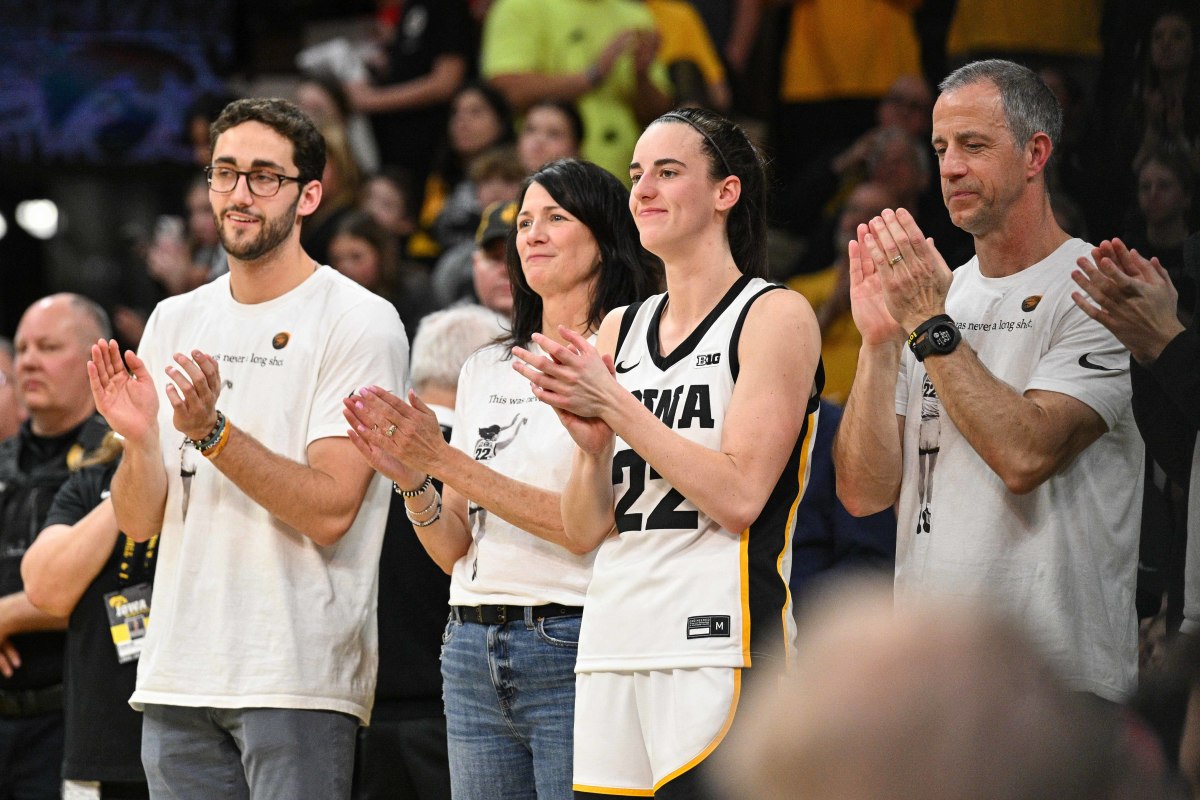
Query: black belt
[499, 615]
[30, 702]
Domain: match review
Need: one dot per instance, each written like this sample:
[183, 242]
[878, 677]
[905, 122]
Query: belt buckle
[501, 615]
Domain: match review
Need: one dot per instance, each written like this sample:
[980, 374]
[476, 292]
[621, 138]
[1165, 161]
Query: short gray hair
[1029, 105]
[444, 341]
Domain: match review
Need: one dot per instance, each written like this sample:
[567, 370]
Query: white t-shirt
[1063, 558]
[247, 611]
[500, 423]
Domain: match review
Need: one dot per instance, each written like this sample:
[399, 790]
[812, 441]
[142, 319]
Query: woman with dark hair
[480, 119]
[693, 415]
[517, 589]
[552, 129]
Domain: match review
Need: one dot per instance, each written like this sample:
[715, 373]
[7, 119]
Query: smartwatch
[936, 336]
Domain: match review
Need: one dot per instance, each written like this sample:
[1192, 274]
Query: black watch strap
[922, 345]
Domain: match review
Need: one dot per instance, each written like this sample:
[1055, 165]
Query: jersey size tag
[708, 627]
[128, 612]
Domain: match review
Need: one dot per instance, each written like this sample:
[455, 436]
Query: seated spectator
[496, 176]
[479, 120]
[552, 129]
[485, 279]
[814, 196]
[1166, 188]
[828, 291]
[366, 253]
[390, 198]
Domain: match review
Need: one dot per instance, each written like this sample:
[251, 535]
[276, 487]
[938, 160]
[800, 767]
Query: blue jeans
[510, 706]
[247, 753]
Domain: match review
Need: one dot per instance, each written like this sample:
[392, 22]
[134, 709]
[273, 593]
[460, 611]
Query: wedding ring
[894, 260]
[390, 431]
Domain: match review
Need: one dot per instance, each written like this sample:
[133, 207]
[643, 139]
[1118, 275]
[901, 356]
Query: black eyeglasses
[262, 182]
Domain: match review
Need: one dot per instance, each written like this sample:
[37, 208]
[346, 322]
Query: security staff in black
[32, 468]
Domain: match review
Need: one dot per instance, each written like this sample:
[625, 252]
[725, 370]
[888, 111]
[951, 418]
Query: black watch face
[941, 337]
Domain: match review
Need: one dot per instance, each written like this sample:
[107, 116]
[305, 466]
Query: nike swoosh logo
[622, 368]
[1086, 364]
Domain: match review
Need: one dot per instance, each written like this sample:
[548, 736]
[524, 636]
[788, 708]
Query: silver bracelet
[432, 501]
[436, 514]
[413, 492]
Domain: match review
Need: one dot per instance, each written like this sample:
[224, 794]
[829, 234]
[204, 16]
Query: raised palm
[867, 303]
[126, 398]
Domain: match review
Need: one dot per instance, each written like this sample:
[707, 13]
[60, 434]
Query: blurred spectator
[402, 754]
[840, 58]
[810, 203]
[365, 252]
[828, 291]
[1166, 102]
[427, 52]
[62, 434]
[691, 59]
[1166, 189]
[391, 200]
[939, 701]
[496, 176]
[480, 119]
[340, 185]
[489, 270]
[552, 129]
[82, 567]
[324, 99]
[599, 54]
[12, 411]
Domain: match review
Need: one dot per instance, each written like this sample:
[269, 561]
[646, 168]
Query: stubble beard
[275, 231]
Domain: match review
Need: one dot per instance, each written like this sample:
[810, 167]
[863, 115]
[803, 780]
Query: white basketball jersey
[674, 589]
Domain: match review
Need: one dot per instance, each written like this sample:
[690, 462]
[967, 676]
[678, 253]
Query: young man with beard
[261, 661]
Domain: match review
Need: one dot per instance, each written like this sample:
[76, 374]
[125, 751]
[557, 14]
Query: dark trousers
[31, 757]
[402, 760]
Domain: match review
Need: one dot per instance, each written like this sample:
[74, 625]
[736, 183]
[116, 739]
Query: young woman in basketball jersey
[693, 416]
[516, 590]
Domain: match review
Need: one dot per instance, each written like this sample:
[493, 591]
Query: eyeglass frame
[208, 171]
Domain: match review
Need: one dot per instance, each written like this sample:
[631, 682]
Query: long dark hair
[627, 271]
[730, 152]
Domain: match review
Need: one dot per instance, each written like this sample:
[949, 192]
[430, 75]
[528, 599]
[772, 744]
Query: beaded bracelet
[436, 514]
[222, 439]
[432, 501]
[413, 492]
[213, 435]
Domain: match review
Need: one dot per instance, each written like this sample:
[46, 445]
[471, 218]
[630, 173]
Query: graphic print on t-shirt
[927, 452]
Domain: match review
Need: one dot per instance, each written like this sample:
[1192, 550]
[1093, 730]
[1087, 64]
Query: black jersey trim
[735, 337]
[627, 318]
[685, 348]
